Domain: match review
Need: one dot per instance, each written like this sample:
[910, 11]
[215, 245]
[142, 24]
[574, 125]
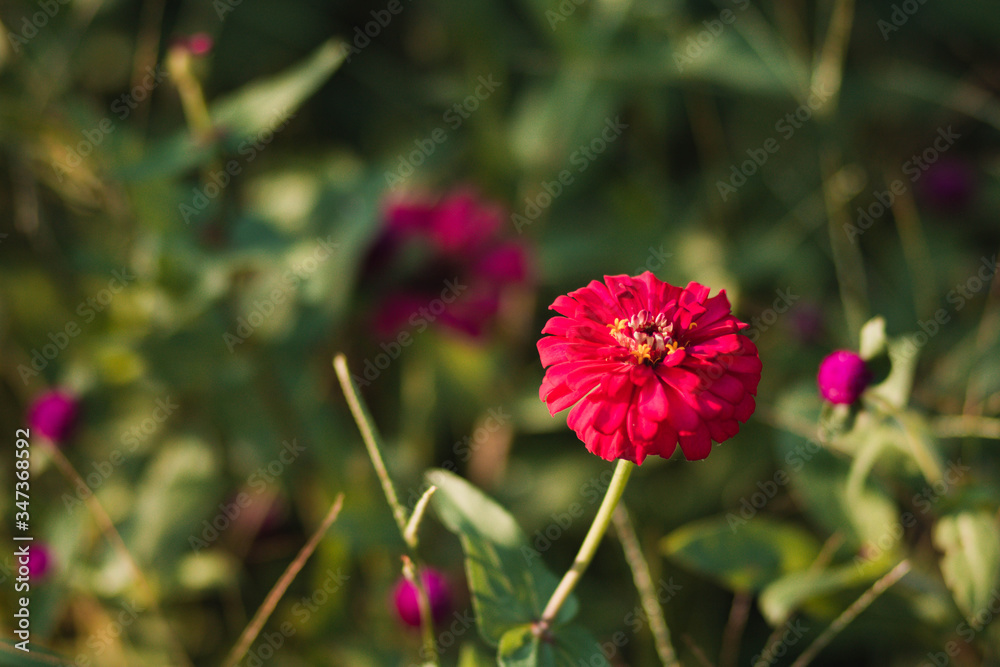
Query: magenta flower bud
[52, 415]
[39, 560]
[842, 377]
[200, 43]
[438, 594]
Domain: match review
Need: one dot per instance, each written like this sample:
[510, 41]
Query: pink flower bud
[438, 595]
[842, 377]
[52, 415]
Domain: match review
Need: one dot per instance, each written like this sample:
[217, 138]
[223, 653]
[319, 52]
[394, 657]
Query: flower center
[649, 339]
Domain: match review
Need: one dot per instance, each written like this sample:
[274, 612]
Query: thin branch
[644, 584]
[271, 601]
[852, 612]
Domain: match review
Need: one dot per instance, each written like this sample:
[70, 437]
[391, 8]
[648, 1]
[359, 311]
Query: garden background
[195, 200]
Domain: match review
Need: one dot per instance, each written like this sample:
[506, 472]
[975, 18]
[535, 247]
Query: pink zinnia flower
[53, 415]
[438, 595]
[842, 377]
[448, 257]
[648, 365]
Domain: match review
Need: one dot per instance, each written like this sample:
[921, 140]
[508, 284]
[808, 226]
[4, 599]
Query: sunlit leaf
[743, 555]
[971, 562]
[510, 586]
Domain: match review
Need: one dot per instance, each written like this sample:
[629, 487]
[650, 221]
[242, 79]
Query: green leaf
[873, 340]
[518, 648]
[258, 106]
[566, 646]
[744, 555]
[509, 583]
[895, 389]
[819, 482]
[171, 502]
[971, 561]
[37, 657]
[471, 657]
[797, 589]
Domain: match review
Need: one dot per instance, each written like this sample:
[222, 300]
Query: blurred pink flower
[445, 262]
[438, 595]
[949, 185]
[40, 561]
[53, 414]
[197, 44]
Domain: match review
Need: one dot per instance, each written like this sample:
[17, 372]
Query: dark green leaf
[744, 555]
[509, 583]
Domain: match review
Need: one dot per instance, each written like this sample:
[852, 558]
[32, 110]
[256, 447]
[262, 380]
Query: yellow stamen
[618, 325]
[643, 353]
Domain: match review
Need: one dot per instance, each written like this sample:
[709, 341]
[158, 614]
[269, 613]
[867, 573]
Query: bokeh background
[203, 202]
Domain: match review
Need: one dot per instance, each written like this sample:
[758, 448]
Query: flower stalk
[589, 547]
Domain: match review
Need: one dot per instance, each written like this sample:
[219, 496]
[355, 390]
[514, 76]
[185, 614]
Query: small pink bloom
[53, 415]
[39, 560]
[842, 377]
[438, 595]
[200, 43]
[648, 365]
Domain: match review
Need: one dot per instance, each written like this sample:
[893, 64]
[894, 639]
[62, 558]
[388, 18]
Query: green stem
[415, 576]
[590, 542]
[367, 427]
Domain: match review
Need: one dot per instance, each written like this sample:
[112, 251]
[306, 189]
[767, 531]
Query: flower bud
[53, 415]
[438, 595]
[842, 377]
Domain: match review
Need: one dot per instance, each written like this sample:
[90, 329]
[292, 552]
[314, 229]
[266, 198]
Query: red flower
[648, 365]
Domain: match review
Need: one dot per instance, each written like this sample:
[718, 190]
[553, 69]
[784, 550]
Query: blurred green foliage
[754, 139]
